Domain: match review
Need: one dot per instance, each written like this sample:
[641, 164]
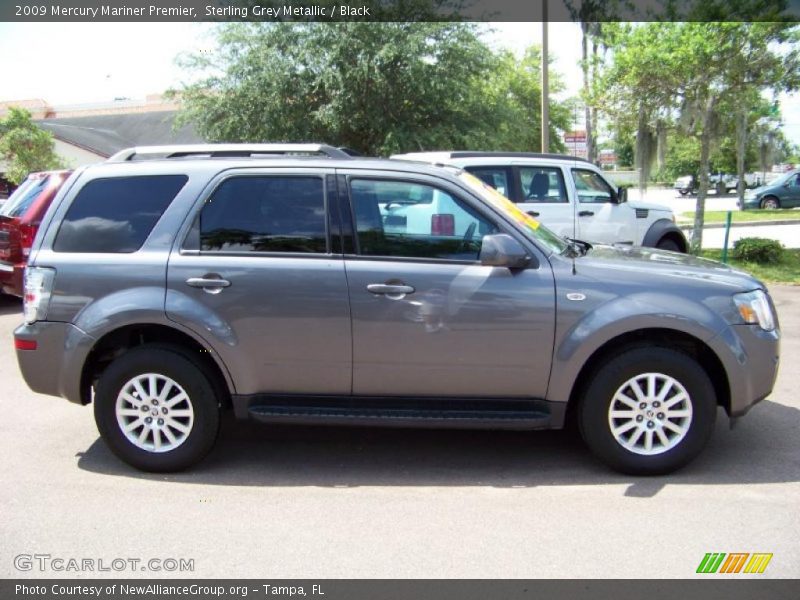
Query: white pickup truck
[569, 195]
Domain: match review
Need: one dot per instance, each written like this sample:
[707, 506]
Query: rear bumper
[55, 367]
[11, 278]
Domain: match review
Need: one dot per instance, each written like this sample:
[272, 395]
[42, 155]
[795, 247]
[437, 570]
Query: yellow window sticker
[501, 202]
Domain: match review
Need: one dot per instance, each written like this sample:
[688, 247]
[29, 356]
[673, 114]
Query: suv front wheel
[156, 409]
[649, 411]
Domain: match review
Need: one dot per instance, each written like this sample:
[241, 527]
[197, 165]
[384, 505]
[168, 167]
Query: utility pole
[545, 84]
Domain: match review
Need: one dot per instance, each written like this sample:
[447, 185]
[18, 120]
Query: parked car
[783, 192]
[685, 185]
[721, 183]
[569, 195]
[169, 283]
[20, 216]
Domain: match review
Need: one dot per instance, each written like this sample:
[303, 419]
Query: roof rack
[471, 154]
[226, 151]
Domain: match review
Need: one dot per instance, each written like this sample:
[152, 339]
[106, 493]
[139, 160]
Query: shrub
[758, 250]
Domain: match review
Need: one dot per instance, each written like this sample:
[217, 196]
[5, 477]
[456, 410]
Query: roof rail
[471, 154]
[226, 150]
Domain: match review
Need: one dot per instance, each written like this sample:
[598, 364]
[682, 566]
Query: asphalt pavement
[274, 502]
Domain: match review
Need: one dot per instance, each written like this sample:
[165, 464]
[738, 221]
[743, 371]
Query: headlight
[754, 308]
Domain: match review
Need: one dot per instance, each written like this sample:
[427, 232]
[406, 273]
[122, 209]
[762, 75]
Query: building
[90, 133]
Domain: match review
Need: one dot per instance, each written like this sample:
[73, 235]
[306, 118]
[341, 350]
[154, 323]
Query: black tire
[168, 362]
[770, 202]
[596, 402]
[669, 244]
[683, 192]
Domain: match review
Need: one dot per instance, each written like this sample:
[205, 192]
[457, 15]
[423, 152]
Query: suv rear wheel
[156, 409]
[649, 411]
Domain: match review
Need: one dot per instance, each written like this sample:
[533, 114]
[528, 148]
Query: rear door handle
[533, 213]
[586, 213]
[209, 284]
[389, 289]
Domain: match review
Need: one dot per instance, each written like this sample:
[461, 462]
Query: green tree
[514, 89]
[691, 73]
[756, 68]
[597, 30]
[25, 147]
[375, 87]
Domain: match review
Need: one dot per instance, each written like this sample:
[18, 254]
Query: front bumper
[750, 357]
[56, 365]
[750, 203]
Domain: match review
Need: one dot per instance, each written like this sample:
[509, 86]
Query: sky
[77, 63]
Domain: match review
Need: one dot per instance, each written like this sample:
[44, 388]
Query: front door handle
[533, 213]
[390, 289]
[210, 284]
[586, 213]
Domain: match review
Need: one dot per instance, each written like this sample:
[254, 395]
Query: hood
[660, 267]
[758, 191]
[649, 206]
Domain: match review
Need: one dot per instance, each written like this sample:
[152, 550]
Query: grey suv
[169, 283]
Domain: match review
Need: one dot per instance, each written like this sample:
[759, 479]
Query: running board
[394, 412]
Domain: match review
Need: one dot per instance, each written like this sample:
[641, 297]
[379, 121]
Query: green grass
[738, 216]
[787, 271]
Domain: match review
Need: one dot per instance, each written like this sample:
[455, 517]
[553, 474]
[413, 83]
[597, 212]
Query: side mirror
[502, 250]
[622, 195]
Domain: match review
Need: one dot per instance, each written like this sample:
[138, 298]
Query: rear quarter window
[116, 215]
[21, 200]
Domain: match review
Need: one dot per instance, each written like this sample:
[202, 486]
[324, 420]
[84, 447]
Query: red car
[20, 217]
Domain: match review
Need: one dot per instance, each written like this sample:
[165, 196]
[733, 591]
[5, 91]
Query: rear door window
[543, 184]
[265, 214]
[116, 215]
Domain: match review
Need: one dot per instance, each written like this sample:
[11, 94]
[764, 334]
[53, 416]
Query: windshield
[23, 197]
[507, 207]
[782, 179]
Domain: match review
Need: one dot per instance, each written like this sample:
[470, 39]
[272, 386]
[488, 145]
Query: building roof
[107, 134]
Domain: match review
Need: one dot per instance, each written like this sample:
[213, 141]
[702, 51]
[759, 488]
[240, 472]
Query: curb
[689, 226]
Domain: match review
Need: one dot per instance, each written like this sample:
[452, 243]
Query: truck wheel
[648, 411]
[156, 409]
[668, 244]
[770, 203]
[683, 192]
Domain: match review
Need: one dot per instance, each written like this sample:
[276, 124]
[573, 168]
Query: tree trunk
[661, 142]
[741, 143]
[585, 67]
[641, 155]
[705, 153]
[592, 148]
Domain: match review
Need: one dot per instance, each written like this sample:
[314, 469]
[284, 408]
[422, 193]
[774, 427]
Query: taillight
[27, 233]
[20, 344]
[443, 224]
[38, 287]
